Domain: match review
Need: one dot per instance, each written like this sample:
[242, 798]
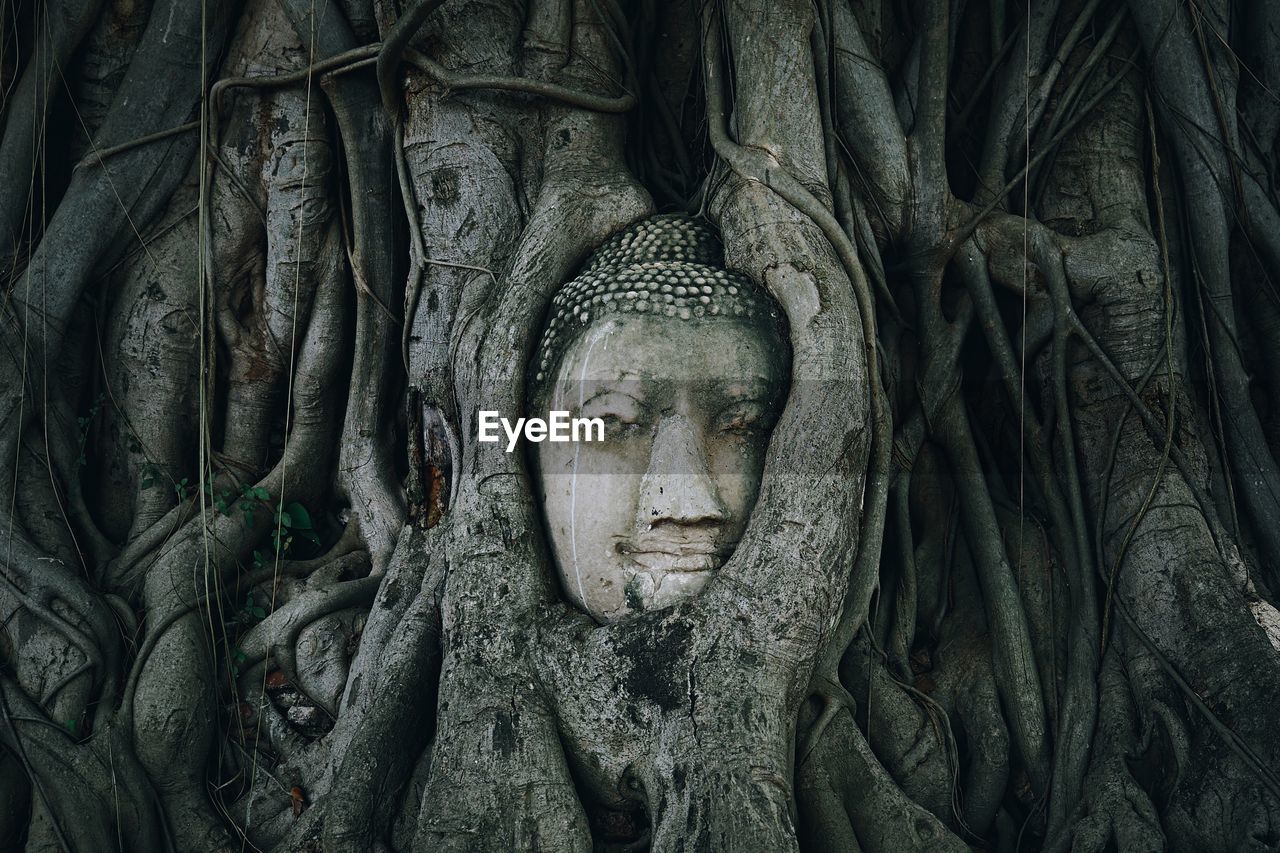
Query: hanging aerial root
[757, 166]
[1014, 661]
[395, 703]
[367, 55]
[366, 466]
[883, 818]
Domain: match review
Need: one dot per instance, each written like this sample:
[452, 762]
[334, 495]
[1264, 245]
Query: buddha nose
[677, 487]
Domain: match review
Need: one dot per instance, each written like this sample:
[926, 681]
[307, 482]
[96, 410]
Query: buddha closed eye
[686, 364]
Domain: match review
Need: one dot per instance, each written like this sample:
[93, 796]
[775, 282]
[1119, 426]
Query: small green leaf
[284, 519]
[301, 518]
[261, 493]
[258, 612]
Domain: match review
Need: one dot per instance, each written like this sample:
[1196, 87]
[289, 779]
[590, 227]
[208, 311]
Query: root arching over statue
[939, 500]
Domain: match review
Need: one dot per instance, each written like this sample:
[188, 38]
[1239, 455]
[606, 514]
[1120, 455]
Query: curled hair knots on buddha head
[668, 266]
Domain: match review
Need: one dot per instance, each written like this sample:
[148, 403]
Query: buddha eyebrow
[601, 392]
[748, 389]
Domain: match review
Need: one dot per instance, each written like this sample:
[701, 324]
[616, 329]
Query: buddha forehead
[640, 348]
[656, 295]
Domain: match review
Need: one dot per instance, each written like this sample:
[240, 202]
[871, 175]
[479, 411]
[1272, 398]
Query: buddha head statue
[687, 365]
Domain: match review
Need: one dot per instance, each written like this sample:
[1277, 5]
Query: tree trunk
[1010, 578]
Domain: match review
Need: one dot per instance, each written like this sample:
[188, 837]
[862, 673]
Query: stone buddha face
[687, 365]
